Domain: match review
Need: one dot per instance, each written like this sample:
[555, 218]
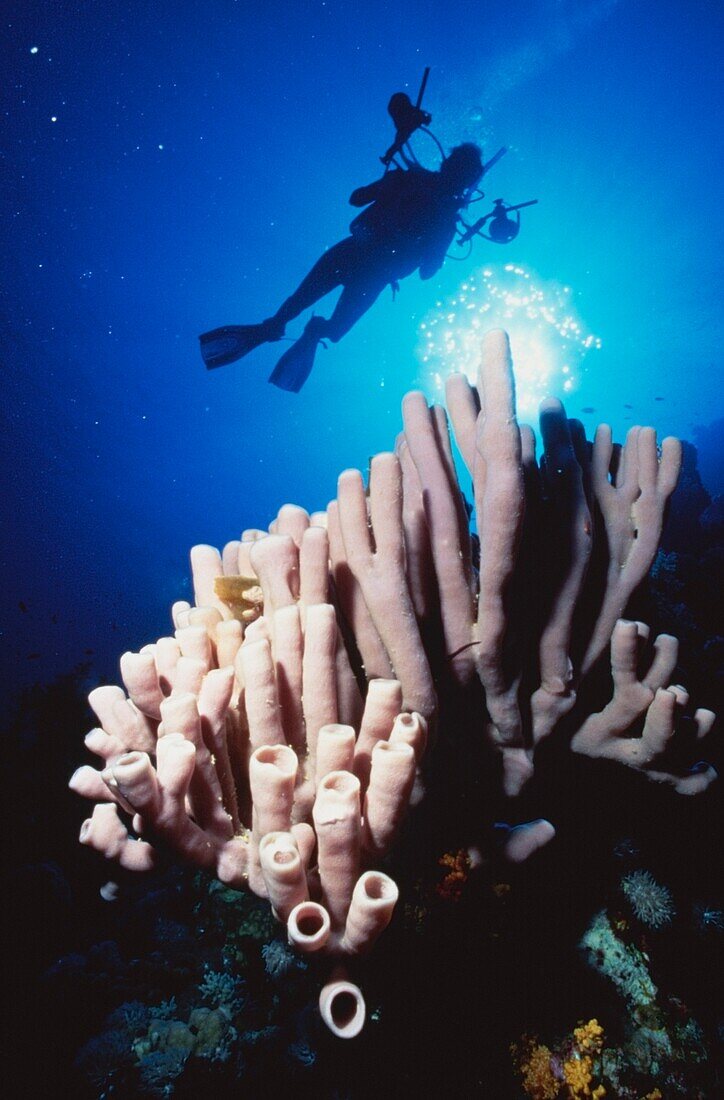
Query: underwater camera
[501, 229]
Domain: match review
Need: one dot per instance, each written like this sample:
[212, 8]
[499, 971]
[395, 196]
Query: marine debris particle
[242, 595]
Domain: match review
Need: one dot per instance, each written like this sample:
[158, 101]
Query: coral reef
[661, 1049]
[279, 737]
[569, 1072]
[622, 963]
[583, 1065]
[689, 567]
[663, 1044]
[186, 1022]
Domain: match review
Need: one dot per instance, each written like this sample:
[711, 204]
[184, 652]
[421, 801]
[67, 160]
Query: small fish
[628, 406]
[626, 848]
[659, 399]
[53, 618]
[33, 656]
[588, 409]
[23, 606]
[89, 652]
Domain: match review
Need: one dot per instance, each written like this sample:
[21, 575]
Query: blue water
[172, 166]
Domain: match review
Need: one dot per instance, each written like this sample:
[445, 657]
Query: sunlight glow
[548, 339]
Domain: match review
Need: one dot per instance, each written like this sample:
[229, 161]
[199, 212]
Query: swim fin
[295, 365]
[231, 342]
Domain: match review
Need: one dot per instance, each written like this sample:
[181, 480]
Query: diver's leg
[328, 272]
[232, 342]
[354, 301]
[294, 367]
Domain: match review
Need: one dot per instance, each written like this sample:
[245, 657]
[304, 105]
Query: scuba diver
[411, 217]
[408, 224]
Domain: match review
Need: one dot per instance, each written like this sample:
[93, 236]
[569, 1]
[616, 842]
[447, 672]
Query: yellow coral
[578, 1074]
[578, 1070]
[589, 1037]
[451, 886]
[535, 1068]
[655, 1095]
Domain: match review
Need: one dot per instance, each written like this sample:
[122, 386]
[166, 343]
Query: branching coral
[647, 695]
[278, 737]
[256, 740]
[531, 619]
[258, 770]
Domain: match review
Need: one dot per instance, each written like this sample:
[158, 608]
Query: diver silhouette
[408, 224]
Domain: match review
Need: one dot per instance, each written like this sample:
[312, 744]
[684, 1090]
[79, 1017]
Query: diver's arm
[363, 196]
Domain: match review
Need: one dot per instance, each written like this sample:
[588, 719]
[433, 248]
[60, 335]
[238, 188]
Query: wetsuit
[408, 224]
